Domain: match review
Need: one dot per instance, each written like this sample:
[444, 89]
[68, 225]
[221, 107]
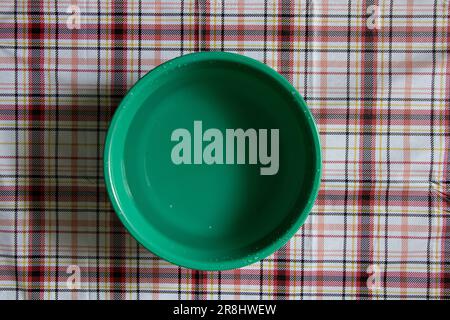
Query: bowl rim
[116, 129]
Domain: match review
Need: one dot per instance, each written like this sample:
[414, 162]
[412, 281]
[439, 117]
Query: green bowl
[212, 161]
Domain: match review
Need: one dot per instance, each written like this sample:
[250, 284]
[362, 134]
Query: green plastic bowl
[212, 216]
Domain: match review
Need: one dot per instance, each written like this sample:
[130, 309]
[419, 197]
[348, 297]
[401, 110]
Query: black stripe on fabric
[97, 234]
[182, 15]
[56, 157]
[170, 49]
[89, 211]
[236, 15]
[388, 156]
[222, 47]
[261, 263]
[305, 95]
[179, 283]
[202, 24]
[347, 143]
[93, 176]
[430, 176]
[16, 138]
[228, 275]
[196, 26]
[222, 29]
[446, 228]
[312, 98]
[296, 33]
[138, 267]
[328, 132]
[228, 294]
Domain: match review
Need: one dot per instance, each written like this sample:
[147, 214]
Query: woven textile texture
[375, 74]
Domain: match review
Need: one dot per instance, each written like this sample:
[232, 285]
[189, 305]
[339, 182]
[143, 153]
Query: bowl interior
[211, 216]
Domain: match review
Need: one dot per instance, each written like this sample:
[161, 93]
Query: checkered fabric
[375, 74]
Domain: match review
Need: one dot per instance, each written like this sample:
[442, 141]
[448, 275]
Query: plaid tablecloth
[375, 74]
